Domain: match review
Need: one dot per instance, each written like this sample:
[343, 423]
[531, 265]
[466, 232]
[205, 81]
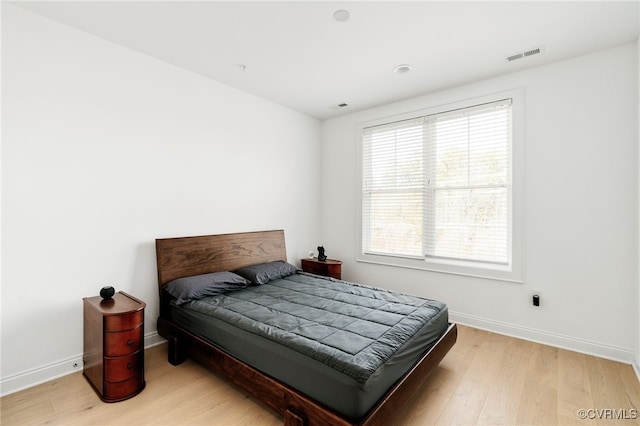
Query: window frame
[513, 270]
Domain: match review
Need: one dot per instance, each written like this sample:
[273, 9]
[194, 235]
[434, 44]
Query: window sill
[508, 273]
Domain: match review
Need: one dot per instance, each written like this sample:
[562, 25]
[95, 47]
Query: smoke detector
[341, 15]
[402, 68]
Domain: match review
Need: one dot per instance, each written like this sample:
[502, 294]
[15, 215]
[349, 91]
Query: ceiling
[296, 54]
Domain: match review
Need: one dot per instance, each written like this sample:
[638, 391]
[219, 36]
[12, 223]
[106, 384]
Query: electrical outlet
[536, 296]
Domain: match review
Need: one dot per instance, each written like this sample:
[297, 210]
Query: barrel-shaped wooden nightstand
[114, 346]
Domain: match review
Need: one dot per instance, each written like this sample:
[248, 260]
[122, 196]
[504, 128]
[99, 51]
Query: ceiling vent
[525, 54]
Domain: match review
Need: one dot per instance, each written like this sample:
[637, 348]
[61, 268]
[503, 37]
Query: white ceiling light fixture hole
[341, 15]
[402, 69]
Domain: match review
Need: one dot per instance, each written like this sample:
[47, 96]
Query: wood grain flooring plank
[538, 405]
[503, 401]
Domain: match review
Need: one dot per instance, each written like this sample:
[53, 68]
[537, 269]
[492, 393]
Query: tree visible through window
[439, 186]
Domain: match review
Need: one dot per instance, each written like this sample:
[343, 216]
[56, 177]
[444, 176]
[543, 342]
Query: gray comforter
[351, 328]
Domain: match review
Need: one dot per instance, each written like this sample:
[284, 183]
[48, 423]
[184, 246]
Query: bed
[323, 351]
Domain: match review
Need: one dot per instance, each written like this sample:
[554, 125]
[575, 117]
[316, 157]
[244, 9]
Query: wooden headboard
[187, 256]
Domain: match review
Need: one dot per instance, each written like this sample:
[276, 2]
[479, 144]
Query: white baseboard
[36, 376]
[613, 353]
[636, 368]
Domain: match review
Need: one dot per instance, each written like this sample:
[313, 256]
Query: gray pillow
[262, 273]
[199, 286]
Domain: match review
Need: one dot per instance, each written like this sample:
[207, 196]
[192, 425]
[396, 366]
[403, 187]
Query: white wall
[104, 150]
[581, 207]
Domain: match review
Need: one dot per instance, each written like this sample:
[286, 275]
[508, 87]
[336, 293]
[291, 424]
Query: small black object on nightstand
[321, 256]
[107, 292]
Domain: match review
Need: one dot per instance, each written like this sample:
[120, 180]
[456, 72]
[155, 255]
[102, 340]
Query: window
[438, 191]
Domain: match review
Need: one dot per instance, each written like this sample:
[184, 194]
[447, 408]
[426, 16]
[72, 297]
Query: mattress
[340, 343]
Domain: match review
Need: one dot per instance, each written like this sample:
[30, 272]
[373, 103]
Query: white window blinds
[439, 186]
[393, 188]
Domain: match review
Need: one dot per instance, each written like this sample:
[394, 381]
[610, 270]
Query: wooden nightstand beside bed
[114, 346]
[328, 268]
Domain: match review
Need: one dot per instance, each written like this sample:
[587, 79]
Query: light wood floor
[486, 379]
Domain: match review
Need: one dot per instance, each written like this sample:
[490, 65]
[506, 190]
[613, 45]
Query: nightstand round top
[120, 303]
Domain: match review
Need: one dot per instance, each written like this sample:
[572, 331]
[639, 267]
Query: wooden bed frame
[186, 256]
